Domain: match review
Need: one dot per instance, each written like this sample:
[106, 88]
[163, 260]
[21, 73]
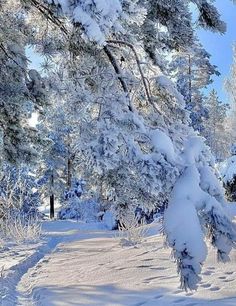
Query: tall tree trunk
[69, 172]
[190, 78]
[52, 198]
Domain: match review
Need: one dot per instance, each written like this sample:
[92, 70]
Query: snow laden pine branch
[197, 210]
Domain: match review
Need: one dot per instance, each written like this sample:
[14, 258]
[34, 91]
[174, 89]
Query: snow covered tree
[192, 71]
[61, 125]
[209, 17]
[214, 126]
[135, 142]
[227, 169]
[231, 90]
[22, 91]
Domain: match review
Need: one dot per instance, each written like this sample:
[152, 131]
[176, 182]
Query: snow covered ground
[84, 264]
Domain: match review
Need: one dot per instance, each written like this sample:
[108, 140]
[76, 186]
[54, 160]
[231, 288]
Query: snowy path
[91, 268]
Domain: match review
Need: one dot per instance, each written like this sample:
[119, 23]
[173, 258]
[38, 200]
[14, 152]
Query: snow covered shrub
[78, 205]
[109, 220]
[77, 190]
[132, 230]
[227, 171]
[71, 208]
[145, 216]
[19, 200]
[22, 228]
[18, 192]
[86, 210]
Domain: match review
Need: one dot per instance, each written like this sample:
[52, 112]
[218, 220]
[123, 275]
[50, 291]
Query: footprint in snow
[166, 277]
[159, 268]
[215, 289]
[228, 280]
[120, 269]
[205, 285]
[207, 273]
[144, 266]
[222, 277]
[151, 278]
[141, 254]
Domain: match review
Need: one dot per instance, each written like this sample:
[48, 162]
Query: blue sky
[35, 58]
[220, 46]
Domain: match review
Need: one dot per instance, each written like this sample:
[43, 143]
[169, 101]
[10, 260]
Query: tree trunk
[69, 173]
[52, 206]
[190, 78]
[52, 198]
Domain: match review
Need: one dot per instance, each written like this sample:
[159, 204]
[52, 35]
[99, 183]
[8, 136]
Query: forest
[118, 129]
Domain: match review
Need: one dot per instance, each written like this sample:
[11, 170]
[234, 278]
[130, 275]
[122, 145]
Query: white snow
[91, 27]
[109, 220]
[163, 144]
[194, 146]
[228, 169]
[192, 238]
[196, 202]
[165, 83]
[80, 264]
[97, 17]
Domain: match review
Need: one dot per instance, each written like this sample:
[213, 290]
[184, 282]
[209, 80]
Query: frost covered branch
[139, 68]
[119, 74]
[48, 14]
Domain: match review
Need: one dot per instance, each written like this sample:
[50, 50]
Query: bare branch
[145, 84]
[118, 72]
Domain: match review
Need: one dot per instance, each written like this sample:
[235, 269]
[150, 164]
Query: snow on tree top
[228, 169]
[163, 144]
[97, 17]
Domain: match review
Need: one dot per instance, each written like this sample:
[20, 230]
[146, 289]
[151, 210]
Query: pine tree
[227, 170]
[22, 91]
[214, 126]
[193, 72]
[230, 87]
[61, 125]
